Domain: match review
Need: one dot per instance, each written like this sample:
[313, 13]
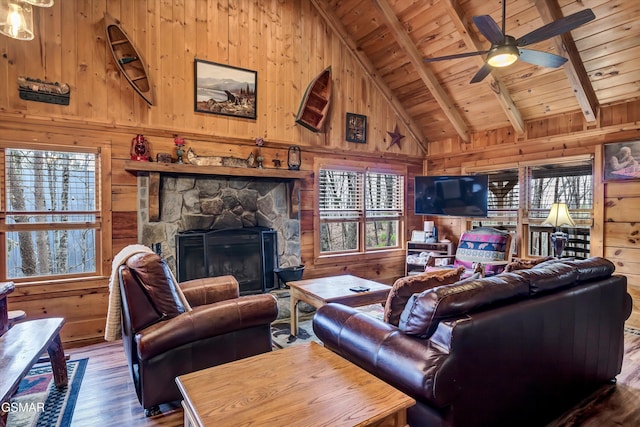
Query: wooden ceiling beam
[462, 24]
[574, 68]
[333, 22]
[425, 74]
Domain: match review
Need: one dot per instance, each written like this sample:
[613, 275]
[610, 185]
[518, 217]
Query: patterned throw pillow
[404, 287]
[483, 244]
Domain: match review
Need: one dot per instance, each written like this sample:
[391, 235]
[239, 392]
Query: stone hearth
[206, 202]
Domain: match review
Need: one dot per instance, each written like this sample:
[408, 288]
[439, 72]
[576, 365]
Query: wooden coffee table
[322, 291]
[303, 385]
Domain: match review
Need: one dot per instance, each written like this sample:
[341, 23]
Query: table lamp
[558, 216]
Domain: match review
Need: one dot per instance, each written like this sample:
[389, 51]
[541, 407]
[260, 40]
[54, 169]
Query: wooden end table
[21, 347]
[322, 291]
[303, 385]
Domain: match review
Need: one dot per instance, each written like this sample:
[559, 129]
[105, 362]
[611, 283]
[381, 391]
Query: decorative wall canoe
[314, 107]
[128, 59]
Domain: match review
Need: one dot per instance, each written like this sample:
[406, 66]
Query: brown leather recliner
[163, 339]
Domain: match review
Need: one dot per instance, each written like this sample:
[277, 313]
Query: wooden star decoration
[396, 136]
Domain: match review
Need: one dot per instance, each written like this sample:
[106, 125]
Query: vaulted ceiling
[436, 100]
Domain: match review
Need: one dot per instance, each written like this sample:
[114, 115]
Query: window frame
[362, 252]
[101, 224]
[524, 222]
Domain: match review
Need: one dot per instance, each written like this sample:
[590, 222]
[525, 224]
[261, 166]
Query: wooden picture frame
[621, 161]
[225, 90]
[356, 128]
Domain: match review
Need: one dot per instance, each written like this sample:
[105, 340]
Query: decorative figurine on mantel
[259, 158]
[140, 149]
[294, 158]
[179, 148]
[277, 162]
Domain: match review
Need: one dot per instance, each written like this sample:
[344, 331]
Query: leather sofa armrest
[628, 306]
[210, 290]
[206, 322]
[408, 363]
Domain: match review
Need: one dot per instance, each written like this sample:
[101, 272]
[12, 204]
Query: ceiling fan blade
[489, 28]
[456, 56]
[543, 59]
[556, 28]
[482, 73]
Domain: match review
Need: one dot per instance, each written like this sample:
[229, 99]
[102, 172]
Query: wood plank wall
[287, 43]
[616, 216]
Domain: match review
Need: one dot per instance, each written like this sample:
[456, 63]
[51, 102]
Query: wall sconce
[559, 216]
[16, 19]
[294, 158]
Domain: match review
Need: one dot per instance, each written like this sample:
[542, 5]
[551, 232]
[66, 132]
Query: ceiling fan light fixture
[503, 56]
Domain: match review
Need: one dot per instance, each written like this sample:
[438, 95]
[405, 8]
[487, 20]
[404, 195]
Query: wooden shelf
[185, 168]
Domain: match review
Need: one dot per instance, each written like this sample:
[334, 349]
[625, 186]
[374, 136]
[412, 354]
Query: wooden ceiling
[437, 101]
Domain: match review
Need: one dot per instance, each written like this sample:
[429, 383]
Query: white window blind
[340, 194]
[384, 195]
[504, 194]
[51, 213]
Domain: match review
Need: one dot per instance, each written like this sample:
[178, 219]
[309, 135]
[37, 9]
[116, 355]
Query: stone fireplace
[199, 203]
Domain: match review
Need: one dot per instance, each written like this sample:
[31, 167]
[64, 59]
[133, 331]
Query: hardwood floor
[107, 396]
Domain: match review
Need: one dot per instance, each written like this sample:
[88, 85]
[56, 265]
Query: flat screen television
[461, 195]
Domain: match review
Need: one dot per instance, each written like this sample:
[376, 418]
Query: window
[360, 210]
[51, 219]
[524, 195]
[571, 183]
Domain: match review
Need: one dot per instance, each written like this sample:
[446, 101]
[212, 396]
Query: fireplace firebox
[248, 254]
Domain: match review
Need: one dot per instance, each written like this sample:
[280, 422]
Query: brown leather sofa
[162, 339]
[515, 349]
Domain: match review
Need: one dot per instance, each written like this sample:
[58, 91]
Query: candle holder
[179, 142]
[259, 158]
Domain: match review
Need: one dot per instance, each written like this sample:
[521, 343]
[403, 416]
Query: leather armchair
[164, 339]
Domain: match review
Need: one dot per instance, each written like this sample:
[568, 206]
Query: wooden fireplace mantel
[156, 169]
[188, 169]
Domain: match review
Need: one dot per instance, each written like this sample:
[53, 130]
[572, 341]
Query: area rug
[39, 403]
[281, 329]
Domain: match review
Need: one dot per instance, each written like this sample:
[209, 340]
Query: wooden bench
[21, 347]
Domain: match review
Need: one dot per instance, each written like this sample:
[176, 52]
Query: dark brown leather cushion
[549, 276]
[592, 268]
[153, 274]
[424, 311]
[404, 287]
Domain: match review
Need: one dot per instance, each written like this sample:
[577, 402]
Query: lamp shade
[559, 216]
[16, 19]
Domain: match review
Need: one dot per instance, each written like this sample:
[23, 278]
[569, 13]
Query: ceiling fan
[506, 49]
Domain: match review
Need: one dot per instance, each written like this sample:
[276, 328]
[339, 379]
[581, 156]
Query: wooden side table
[21, 347]
[5, 289]
[322, 291]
